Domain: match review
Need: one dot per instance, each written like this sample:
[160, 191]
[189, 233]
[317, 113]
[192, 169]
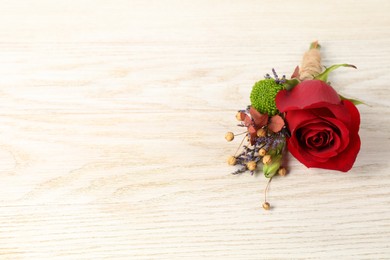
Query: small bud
[229, 136]
[266, 206]
[271, 168]
[262, 152]
[238, 116]
[261, 132]
[251, 165]
[232, 160]
[267, 159]
[282, 171]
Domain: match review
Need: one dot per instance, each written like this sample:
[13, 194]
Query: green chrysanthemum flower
[263, 96]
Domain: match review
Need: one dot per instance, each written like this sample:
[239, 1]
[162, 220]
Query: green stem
[315, 45]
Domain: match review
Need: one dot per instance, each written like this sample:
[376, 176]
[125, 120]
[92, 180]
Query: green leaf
[271, 169]
[354, 101]
[290, 83]
[324, 75]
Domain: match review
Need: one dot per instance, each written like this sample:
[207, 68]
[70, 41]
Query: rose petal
[322, 109]
[324, 154]
[345, 160]
[336, 129]
[322, 150]
[330, 110]
[309, 154]
[316, 125]
[276, 123]
[354, 115]
[297, 118]
[305, 94]
[317, 140]
[343, 134]
[300, 152]
[320, 140]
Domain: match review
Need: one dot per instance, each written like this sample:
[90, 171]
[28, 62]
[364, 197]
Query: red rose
[324, 128]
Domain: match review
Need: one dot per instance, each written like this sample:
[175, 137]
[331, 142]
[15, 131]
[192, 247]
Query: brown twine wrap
[311, 63]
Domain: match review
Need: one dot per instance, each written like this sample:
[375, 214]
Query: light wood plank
[112, 117]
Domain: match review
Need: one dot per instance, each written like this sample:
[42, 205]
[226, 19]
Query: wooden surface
[112, 123]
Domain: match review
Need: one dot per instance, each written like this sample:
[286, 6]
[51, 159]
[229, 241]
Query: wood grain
[112, 117]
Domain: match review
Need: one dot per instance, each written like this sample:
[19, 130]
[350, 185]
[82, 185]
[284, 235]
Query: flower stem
[266, 189]
[315, 45]
[311, 62]
[242, 141]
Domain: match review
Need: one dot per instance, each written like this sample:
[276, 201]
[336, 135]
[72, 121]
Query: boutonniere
[303, 115]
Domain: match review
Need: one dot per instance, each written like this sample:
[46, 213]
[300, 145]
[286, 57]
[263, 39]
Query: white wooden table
[112, 123]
